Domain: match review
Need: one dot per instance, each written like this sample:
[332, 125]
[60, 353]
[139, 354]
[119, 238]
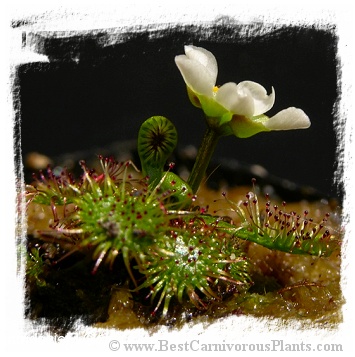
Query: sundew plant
[145, 225]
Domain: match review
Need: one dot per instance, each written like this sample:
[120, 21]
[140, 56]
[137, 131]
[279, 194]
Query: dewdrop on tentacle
[193, 260]
[125, 221]
[113, 215]
[50, 187]
[275, 228]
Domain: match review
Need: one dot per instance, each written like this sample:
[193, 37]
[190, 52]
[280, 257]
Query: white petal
[195, 75]
[205, 58]
[290, 118]
[235, 101]
[262, 101]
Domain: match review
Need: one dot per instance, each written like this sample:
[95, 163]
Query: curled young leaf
[157, 140]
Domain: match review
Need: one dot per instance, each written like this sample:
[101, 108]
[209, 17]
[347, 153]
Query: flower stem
[203, 158]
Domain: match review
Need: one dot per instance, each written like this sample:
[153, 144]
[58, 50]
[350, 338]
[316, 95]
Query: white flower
[233, 108]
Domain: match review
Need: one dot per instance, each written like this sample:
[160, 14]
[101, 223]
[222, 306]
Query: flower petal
[262, 101]
[195, 75]
[287, 119]
[236, 101]
[205, 58]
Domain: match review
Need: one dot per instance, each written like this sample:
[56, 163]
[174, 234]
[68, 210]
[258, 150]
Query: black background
[99, 87]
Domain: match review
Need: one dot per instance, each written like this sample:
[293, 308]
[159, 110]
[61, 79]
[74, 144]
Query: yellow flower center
[215, 89]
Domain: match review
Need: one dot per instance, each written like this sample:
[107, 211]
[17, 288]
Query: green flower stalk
[180, 254]
[175, 250]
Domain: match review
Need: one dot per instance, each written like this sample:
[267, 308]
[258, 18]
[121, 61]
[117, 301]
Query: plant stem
[203, 158]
